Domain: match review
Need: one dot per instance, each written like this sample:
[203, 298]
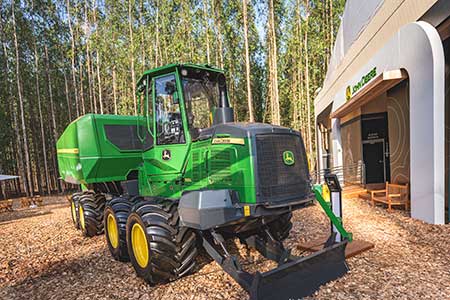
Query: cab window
[201, 94]
[169, 125]
[143, 131]
[149, 102]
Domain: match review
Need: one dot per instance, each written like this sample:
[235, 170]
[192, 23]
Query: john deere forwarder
[183, 175]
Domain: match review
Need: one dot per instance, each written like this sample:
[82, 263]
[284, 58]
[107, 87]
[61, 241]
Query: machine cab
[176, 103]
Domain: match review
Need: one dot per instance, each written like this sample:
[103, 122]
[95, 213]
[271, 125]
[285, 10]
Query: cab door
[164, 163]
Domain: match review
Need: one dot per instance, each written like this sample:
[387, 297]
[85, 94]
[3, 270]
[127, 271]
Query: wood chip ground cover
[42, 256]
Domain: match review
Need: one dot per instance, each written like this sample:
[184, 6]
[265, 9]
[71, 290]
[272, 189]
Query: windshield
[201, 95]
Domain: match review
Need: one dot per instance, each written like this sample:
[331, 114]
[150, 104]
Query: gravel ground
[43, 257]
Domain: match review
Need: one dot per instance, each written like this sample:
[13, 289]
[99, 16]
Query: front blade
[302, 277]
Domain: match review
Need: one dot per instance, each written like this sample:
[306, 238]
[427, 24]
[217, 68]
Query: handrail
[352, 174]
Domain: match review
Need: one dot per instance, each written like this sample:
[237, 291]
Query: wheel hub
[139, 245]
[82, 223]
[113, 234]
[74, 212]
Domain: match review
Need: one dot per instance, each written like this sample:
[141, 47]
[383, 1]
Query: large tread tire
[92, 206]
[281, 227]
[74, 202]
[172, 249]
[119, 208]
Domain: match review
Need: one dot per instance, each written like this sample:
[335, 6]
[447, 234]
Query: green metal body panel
[86, 155]
[202, 165]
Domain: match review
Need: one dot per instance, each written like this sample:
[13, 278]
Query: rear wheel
[159, 248]
[90, 210]
[116, 214]
[74, 209]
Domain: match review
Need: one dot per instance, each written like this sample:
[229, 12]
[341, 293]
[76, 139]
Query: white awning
[380, 84]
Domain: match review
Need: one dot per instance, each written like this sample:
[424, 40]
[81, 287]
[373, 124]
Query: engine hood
[244, 130]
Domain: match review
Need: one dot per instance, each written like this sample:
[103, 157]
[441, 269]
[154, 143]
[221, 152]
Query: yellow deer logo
[288, 158]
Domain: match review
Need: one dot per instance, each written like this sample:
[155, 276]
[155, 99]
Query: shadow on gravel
[95, 276]
[67, 278]
[50, 203]
[8, 217]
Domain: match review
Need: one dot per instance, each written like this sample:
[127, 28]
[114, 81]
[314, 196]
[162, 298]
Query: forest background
[60, 59]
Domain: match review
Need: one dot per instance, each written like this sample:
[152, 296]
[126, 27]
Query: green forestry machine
[181, 175]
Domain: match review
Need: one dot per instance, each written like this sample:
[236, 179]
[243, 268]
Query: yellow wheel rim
[139, 245]
[113, 234]
[74, 212]
[81, 211]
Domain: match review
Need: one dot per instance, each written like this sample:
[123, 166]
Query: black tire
[281, 227]
[118, 208]
[91, 206]
[74, 201]
[172, 249]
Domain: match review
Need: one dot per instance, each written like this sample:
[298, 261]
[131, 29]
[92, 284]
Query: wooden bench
[6, 205]
[393, 194]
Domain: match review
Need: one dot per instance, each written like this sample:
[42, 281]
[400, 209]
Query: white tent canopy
[7, 177]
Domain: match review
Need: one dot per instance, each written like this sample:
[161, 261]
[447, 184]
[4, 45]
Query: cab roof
[171, 67]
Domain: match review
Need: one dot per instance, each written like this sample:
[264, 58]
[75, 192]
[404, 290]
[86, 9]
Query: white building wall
[380, 21]
[417, 48]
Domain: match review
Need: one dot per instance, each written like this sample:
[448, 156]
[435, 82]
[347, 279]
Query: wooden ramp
[351, 191]
[353, 248]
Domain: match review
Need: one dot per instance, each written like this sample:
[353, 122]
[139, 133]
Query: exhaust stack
[223, 113]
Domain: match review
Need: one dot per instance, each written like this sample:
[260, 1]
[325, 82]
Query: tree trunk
[205, 18]
[157, 44]
[308, 100]
[13, 105]
[66, 86]
[298, 75]
[133, 78]
[52, 111]
[274, 67]
[72, 58]
[247, 63]
[331, 27]
[141, 20]
[83, 109]
[41, 121]
[99, 82]
[114, 88]
[217, 14]
[88, 63]
[27, 182]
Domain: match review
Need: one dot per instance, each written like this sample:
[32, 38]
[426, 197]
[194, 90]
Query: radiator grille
[196, 169]
[221, 166]
[277, 180]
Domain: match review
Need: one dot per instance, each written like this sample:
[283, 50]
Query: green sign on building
[350, 91]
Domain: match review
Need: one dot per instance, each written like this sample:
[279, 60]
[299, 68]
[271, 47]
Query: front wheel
[160, 249]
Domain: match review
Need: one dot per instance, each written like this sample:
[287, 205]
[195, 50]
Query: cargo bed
[99, 148]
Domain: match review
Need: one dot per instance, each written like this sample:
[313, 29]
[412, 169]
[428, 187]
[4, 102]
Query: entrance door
[373, 155]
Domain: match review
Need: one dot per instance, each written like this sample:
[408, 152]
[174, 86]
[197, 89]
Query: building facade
[384, 102]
